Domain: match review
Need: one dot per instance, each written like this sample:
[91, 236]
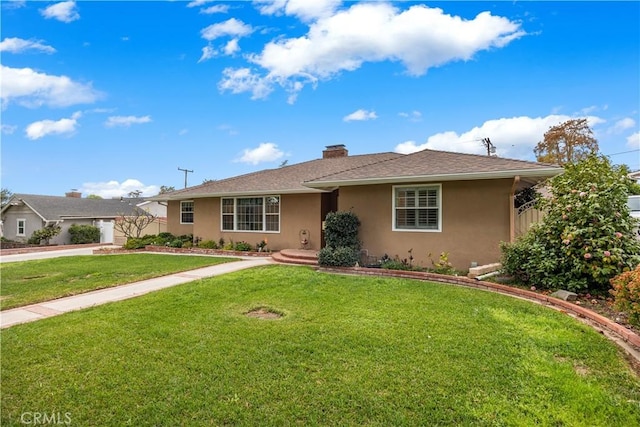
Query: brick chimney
[333, 151]
[74, 194]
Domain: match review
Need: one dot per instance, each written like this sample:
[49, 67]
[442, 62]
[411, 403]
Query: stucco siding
[475, 219]
[10, 223]
[297, 212]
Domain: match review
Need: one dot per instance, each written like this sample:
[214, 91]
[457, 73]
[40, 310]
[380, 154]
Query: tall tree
[568, 142]
[166, 189]
[6, 195]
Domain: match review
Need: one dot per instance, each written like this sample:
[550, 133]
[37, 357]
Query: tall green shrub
[341, 237]
[586, 238]
[47, 233]
[84, 234]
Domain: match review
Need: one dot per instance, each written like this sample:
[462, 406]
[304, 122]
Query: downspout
[512, 210]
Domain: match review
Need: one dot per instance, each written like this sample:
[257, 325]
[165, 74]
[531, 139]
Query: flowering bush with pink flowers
[626, 290]
[586, 238]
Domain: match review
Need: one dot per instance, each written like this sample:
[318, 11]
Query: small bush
[208, 244]
[84, 234]
[134, 243]
[442, 266]
[176, 243]
[338, 257]
[187, 245]
[243, 247]
[46, 234]
[626, 290]
[396, 264]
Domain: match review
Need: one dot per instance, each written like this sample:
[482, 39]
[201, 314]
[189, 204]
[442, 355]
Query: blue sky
[111, 97]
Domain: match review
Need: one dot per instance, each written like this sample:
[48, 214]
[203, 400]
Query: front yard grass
[30, 282]
[347, 351]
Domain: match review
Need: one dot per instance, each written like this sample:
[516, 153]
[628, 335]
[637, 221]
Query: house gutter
[512, 213]
[530, 173]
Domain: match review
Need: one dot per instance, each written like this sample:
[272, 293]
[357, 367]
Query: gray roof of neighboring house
[286, 179]
[432, 165]
[321, 174]
[54, 208]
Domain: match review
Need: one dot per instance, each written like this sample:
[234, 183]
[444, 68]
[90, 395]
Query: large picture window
[251, 214]
[417, 208]
[186, 212]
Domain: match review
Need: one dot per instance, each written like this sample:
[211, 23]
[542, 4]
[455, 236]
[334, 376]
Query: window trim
[24, 227]
[394, 188]
[193, 211]
[264, 214]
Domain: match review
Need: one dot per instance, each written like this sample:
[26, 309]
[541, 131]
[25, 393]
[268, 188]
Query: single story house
[428, 202]
[25, 213]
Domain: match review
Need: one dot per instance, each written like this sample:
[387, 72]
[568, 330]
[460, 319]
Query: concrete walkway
[42, 310]
[28, 256]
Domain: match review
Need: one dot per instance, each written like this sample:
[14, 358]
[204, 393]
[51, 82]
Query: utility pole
[491, 149]
[185, 175]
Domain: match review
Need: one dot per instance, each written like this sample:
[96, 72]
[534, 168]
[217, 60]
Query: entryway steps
[296, 256]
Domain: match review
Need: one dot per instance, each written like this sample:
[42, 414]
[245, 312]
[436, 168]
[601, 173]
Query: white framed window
[417, 208]
[21, 224]
[251, 214]
[186, 212]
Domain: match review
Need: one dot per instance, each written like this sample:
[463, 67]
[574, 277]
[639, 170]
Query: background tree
[568, 142]
[6, 195]
[206, 181]
[94, 196]
[586, 237]
[166, 189]
[132, 224]
[135, 194]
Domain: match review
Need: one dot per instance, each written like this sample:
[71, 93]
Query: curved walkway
[51, 308]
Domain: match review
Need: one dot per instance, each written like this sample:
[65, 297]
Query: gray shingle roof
[436, 165]
[287, 179]
[53, 208]
[314, 175]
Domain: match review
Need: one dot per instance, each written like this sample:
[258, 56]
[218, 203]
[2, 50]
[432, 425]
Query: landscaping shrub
[46, 234]
[243, 247]
[442, 266]
[208, 244]
[396, 264]
[84, 234]
[341, 235]
[175, 243]
[341, 230]
[338, 257]
[586, 237]
[626, 290]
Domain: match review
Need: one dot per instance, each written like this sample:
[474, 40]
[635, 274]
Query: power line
[623, 152]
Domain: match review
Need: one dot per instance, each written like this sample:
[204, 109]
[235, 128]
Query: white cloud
[8, 129]
[18, 45]
[114, 189]
[198, 3]
[231, 27]
[513, 137]
[244, 80]
[208, 52]
[633, 140]
[266, 152]
[218, 8]
[33, 89]
[304, 9]
[622, 125]
[14, 4]
[37, 130]
[65, 11]
[418, 37]
[414, 116]
[126, 121]
[360, 115]
[231, 47]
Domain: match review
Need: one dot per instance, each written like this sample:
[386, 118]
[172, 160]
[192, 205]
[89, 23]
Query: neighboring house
[25, 213]
[429, 201]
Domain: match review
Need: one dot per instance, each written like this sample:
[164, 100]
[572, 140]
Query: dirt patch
[264, 313]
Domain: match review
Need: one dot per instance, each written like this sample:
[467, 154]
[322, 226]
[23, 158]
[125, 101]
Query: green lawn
[35, 281]
[348, 351]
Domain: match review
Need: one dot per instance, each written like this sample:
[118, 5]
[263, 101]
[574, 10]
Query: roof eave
[529, 173]
[236, 194]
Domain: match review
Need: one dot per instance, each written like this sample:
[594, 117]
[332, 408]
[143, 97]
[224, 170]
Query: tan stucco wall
[475, 219]
[297, 212]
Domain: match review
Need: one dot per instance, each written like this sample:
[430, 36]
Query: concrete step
[296, 256]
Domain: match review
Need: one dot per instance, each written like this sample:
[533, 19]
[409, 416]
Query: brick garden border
[628, 336]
